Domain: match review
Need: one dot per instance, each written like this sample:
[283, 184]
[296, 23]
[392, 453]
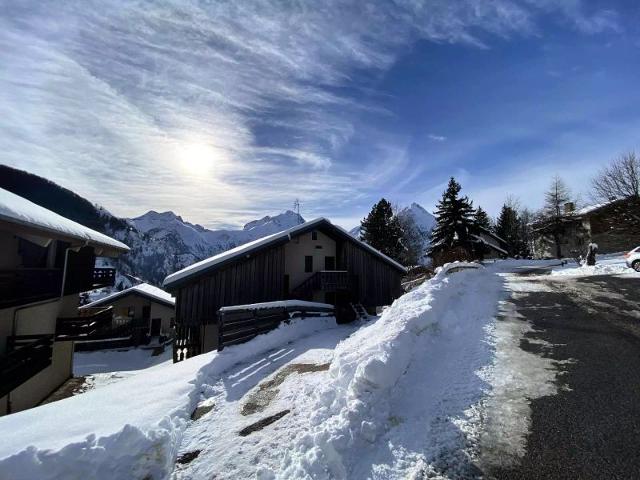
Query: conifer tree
[382, 230]
[482, 219]
[455, 221]
[508, 228]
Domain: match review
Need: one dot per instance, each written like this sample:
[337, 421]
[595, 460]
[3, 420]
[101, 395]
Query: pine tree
[382, 230]
[482, 219]
[508, 228]
[454, 222]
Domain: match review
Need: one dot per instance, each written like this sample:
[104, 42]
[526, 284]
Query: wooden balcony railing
[27, 356]
[83, 281]
[325, 281]
[94, 323]
[27, 285]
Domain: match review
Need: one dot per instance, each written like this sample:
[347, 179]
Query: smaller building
[492, 246]
[614, 226]
[147, 309]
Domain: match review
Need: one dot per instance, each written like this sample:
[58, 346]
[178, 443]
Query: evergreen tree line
[455, 235]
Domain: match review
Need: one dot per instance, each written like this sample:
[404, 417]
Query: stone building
[614, 226]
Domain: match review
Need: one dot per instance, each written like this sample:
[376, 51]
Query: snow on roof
[590, 208]
[264, 241]
[279, 304]
[20, 211]
[491, 244]
[144, 289]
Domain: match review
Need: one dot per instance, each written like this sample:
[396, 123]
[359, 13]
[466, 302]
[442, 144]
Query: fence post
[220, 329]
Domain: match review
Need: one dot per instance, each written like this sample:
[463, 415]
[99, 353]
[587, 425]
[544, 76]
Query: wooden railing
[242, 324]
[186, 343]
[325, 281]
[27, 285]
[27, 355]
[93, 324]
[83, 281]
[104, 277]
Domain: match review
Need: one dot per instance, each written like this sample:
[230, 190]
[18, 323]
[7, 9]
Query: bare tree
[555, 199]
[621, 179]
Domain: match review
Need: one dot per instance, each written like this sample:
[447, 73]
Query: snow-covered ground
[610, 264]
[405, 395]
[104, 367]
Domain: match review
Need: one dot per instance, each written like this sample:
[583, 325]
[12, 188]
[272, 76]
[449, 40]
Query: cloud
[109, 98]
[436, 138]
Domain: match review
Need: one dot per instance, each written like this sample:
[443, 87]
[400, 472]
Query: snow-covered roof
[38, 220]
[264, 242]
[279, 304]
[590, 208]
[149, 291]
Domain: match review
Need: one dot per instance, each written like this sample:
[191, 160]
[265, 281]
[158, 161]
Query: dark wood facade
[259, 275]
[259, 278]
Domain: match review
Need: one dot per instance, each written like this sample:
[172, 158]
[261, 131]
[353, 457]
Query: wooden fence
[244, 322]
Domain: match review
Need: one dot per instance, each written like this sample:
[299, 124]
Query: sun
[197, 158]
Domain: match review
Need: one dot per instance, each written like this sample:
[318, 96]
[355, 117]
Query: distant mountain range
[161, 242]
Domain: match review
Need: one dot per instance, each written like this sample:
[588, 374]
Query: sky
[225, 111]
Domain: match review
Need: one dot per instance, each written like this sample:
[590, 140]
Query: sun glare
[198, 158]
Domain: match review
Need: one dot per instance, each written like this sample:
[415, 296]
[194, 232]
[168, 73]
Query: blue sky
[226, 111]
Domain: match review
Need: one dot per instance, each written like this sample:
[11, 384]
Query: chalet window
[329, 263]
[131, 312]
[308, 264]
[314, 235]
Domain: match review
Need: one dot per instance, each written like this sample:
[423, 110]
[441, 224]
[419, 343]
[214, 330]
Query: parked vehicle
[633, 259]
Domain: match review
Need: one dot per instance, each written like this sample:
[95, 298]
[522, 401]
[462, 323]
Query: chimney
[569, 208]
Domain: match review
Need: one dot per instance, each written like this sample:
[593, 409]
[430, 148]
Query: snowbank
[130, 429]
[612, 264]
[392, 356]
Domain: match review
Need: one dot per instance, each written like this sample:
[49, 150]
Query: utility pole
[296, 208]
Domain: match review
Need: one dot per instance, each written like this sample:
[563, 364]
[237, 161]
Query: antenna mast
[296, 208]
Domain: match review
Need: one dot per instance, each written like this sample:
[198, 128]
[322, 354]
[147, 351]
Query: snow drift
[131, 429]
[376, 368]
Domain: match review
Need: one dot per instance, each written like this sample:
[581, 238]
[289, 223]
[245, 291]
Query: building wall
[34, 319]
[121, 307]
[299, 247]
[259, 278]
[616, 227]
[378, 283]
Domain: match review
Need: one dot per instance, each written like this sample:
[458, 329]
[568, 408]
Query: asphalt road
[591, 428]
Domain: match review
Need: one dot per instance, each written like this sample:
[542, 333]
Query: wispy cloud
[110, 98]
[436, 138]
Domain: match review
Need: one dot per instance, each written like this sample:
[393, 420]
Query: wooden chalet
[316, 261]
[46, 261]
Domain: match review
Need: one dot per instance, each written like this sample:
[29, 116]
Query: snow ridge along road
[399, 401]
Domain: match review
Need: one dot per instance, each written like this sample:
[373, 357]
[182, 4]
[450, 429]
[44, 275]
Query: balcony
[325, 281]
[27, 285]
[92, 324]
[83, 281]
[27, 356]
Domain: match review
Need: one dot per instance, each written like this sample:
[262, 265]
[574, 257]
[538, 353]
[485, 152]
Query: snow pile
[129, 429]
[612, 264]
[430, 337]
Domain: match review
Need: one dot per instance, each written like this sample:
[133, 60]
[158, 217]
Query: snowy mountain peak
[424, 220]
[277, 223]
[153, 219]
